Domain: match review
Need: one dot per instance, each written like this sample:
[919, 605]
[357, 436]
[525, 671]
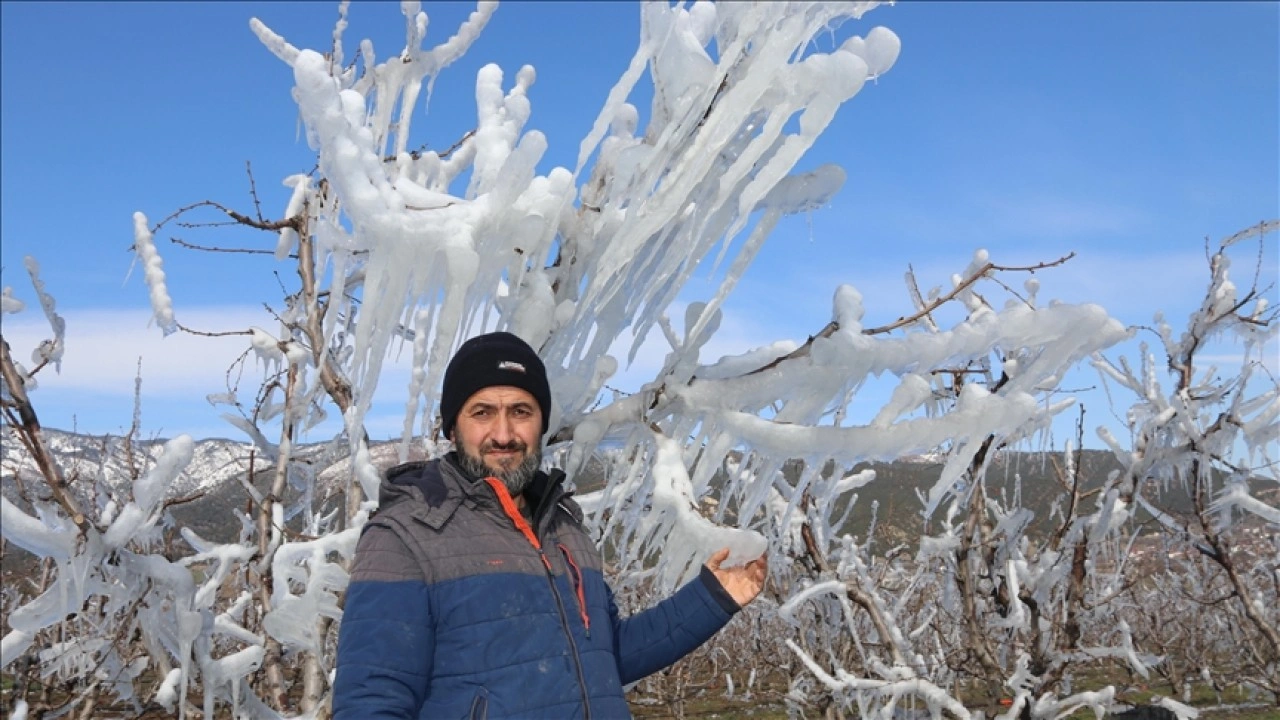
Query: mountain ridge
[209, 496]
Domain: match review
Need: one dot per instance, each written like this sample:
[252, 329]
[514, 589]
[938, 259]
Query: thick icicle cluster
[569, 260]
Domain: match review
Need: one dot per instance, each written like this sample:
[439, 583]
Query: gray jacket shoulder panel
[430, 491]
[383, 556]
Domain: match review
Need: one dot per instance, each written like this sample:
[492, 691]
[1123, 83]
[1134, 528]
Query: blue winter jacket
[459, 607]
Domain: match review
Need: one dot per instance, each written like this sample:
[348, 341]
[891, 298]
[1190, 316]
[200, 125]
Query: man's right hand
[744, 582]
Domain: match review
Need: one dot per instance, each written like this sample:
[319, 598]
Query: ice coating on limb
[879, 50]
[34, 536]
[167, 694]
[151, 487]
[289, 236]
[292, 619]
[153, 270]
[787, 610]
[50, 350]
[688, 536]
[9, 303]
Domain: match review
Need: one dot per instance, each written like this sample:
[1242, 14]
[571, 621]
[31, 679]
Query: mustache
[514, 444]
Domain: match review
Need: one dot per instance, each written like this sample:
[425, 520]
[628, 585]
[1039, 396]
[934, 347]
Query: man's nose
[502, 429]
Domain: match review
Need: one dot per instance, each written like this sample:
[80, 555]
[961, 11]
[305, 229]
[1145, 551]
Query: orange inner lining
[513, 512]
[582, 593]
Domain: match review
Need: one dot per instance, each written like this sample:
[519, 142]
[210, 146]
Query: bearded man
[475, 591]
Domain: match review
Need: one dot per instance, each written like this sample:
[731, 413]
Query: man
[475, 592]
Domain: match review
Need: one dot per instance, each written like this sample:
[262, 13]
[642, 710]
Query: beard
[515, 477]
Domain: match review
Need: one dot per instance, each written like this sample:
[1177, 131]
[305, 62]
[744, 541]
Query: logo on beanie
[512, 366]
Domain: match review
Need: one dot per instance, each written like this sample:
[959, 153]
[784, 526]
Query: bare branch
[415, 154]
[203, 248]
[203, 333]
[32, 437]
[296, 222]
[253, 191]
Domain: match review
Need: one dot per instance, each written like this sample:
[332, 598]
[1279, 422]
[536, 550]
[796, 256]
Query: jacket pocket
[579, 588]
[480, 705]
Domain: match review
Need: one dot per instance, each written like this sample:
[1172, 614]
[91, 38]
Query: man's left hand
[744, 582]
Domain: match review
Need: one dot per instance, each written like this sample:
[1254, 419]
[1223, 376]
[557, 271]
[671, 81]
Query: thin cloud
[104, 349]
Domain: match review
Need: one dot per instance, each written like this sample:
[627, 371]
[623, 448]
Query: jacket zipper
[513, 512]
[578, 588]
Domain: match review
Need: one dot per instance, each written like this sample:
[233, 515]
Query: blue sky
[1125, 132]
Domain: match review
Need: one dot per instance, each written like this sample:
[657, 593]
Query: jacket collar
[544, 492]
[441, 485]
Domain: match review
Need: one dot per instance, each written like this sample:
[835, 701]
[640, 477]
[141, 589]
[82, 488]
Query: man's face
[499, 432]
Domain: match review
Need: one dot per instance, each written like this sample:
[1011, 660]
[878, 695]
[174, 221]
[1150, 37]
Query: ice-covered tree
[398, 248]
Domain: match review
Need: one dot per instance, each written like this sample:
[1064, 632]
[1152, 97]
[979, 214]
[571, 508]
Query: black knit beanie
[498, 358]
